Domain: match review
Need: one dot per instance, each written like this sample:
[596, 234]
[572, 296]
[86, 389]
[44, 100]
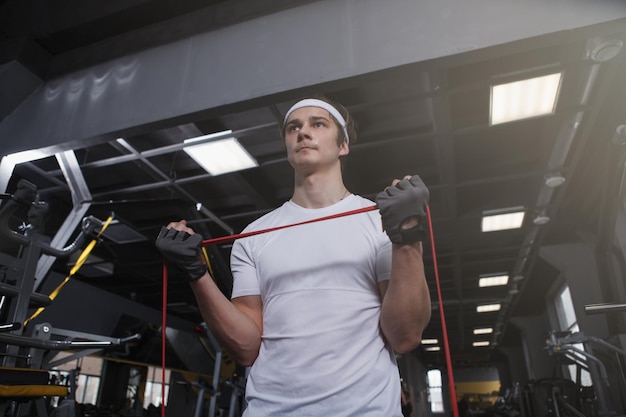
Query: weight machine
[24, 358]
[606, 364]
[226, 395]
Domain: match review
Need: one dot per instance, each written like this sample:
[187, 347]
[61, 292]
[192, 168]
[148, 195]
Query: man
[318, 310]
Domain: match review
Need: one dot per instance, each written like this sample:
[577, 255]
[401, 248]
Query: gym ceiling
[107, 92]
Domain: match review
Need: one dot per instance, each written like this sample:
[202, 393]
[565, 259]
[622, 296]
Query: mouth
[304, 148]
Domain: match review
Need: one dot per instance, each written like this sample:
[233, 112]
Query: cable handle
[89, 225]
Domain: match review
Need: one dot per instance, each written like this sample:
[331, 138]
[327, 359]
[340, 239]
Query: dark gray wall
[247, 60]
[81, 307]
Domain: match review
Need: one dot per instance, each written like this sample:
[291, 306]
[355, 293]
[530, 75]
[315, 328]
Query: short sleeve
[383, 259]
[242, 266]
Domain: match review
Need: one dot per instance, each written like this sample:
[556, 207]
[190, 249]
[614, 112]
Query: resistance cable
[444, 329]
[79, 262]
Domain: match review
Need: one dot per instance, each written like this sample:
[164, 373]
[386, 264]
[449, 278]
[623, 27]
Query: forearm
[238, 333]
[406, 306]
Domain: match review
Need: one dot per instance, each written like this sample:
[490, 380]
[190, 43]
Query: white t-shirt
[322, 350]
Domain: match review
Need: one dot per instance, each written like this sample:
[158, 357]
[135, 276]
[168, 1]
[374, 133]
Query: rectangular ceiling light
[482, 343]
[483, 330]
[524, 99]
[502, 219]
[432, 349]
[429, 341]
[219, 156]
[493, 280]
[485, 308]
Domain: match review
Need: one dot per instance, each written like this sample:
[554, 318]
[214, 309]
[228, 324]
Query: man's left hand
[403, 210]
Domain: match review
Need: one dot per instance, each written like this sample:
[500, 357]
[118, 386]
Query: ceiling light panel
[219, 156]
[486, 308]
[524, 99]
[479, 344]
[483, 330]
[493, 280]
[502, 221]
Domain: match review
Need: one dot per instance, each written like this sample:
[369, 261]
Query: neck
[319, 190]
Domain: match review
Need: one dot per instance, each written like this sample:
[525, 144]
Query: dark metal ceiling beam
[154, 169]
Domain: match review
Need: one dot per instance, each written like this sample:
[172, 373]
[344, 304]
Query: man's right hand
[181, 245]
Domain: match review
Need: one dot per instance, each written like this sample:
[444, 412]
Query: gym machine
[604, 360]
[23, 365]
[226, 395]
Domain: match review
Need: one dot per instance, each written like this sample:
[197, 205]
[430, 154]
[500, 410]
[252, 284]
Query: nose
[304, 133]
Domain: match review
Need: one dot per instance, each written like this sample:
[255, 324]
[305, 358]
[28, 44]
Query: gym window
[87, 372]
[152, 393]
[566, 317]
[435, 391]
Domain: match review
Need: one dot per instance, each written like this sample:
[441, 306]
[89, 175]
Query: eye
[293, 128]
[319, 124]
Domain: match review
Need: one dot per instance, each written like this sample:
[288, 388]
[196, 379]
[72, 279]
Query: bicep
[382, 288]
[252, 307]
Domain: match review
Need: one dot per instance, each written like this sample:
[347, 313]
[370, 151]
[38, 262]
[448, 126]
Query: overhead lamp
[619, 137]
[493, 280]
[502, 219]
[541, 219]
[600, 49]
[481, 343]
[483, 330]
[486, 308]
[554, 180]
[430, 341]
[524, 99]
[432, 349]
[219, 156]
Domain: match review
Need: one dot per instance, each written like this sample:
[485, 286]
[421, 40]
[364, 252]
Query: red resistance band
[446, 344]
[231, 238]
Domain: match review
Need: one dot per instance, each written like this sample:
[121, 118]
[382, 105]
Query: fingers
[176, 231]
[396, 181]
[181, 226]
[401, 184]
[176, 239]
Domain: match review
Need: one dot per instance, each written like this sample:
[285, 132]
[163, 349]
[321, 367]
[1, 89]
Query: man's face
[311, 139]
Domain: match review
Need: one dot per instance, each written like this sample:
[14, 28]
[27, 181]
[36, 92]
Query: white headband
[313, 102]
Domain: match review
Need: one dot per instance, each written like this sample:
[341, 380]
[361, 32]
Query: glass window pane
[567, 321]
[434, 378]
[91, 390]
[435, 390]
[91, 366]
[80, 389]
[436, 400]
[567, 305]
[153, 390]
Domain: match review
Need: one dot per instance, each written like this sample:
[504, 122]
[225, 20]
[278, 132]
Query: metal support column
[81, 198]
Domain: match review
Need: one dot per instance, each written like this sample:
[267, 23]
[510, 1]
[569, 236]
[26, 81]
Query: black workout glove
[397, 204]
[182, 249]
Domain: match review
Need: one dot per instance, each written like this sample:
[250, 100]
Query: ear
[344, 149]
